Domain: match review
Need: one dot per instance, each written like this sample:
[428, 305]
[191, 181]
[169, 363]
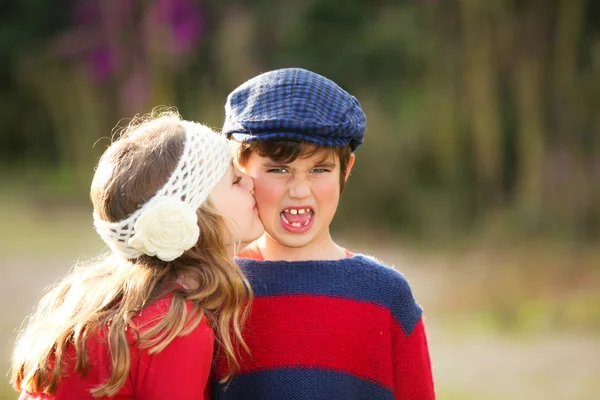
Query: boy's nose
[299, 190]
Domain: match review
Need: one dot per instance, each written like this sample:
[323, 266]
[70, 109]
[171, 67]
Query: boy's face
[297, 200]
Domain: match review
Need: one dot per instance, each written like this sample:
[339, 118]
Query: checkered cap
[294, 104]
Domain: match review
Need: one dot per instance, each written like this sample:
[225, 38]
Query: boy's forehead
[317, 156]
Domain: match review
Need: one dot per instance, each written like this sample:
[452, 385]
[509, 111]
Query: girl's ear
[350, 164]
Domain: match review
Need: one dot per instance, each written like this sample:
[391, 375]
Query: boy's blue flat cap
[294, 104]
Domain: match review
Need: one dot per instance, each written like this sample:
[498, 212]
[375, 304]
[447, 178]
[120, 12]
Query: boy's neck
[325, 249]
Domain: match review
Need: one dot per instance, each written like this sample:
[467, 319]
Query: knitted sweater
[345, 329]
[179, 371]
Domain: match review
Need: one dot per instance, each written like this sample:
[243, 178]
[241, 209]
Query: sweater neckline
[253, 252]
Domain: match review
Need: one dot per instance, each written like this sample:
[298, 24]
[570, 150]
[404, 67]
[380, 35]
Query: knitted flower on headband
[166, 230]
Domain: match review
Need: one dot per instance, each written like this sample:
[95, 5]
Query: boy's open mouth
[296, 219]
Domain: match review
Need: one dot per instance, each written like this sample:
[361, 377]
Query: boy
[325, 323]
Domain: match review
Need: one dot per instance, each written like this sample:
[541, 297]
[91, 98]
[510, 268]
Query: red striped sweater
[345, 329]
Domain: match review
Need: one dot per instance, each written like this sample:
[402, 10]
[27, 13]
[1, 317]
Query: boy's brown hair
[286, 151]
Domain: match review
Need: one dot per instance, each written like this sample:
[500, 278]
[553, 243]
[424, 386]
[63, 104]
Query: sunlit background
[479, 178]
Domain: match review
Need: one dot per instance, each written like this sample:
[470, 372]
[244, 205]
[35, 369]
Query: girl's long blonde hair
[108, 293]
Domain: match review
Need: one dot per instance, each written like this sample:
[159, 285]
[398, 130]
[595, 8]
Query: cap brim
[330, 141]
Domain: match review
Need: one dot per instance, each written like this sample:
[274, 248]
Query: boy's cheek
[266, 194]
[269, 186]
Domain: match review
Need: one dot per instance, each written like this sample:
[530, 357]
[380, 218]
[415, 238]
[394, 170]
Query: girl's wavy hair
[105, 295]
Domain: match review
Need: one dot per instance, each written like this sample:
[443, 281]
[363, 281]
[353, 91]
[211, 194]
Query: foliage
[486, 114]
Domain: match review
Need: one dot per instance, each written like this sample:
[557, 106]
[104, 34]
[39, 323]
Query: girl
[141, 323]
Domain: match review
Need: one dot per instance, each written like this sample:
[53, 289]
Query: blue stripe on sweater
[300, 384]
[360, 277]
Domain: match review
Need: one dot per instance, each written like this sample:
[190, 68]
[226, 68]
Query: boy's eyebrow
[274, 164]
[320, 164]
[325, 164]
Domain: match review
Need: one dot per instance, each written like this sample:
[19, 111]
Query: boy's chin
[293, 241]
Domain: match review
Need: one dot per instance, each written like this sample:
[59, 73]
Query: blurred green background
[479, 177]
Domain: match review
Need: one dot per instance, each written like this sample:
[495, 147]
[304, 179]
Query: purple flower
[105, 40]
[180, 18]
[186, 33]
[100, 63]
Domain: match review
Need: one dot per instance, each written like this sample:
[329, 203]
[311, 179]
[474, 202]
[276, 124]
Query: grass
[6, 392]
[452, 393]
[527, 291]
[44, 229]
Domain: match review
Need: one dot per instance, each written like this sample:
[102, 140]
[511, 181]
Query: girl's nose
[247, 181]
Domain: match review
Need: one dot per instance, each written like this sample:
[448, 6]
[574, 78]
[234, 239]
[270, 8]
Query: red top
[180, 371]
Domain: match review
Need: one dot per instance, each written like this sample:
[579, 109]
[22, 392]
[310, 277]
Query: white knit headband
[167, 224]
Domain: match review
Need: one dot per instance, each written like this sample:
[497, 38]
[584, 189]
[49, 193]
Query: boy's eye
[277, 170]
[237, 180]
[320, 170]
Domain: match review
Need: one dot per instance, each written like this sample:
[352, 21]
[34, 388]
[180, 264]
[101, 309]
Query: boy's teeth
[294, 212]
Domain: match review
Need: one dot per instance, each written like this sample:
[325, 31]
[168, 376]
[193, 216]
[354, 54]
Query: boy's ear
[350, 165]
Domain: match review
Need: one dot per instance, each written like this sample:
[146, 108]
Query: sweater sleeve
[413, 377]
[180, 370]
